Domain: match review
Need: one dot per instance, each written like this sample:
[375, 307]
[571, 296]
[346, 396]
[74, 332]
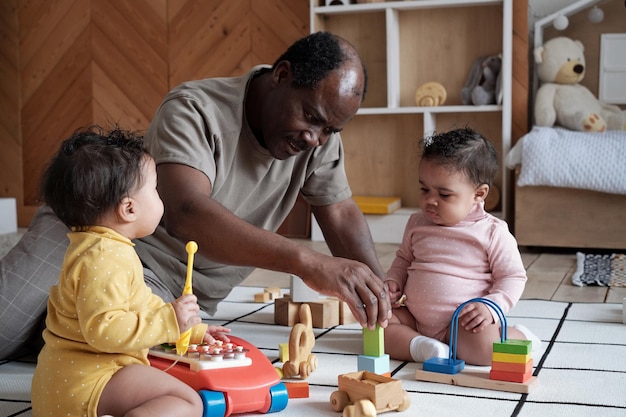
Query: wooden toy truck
[365, 394]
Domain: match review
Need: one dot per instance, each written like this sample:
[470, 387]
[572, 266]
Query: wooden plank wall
[72, 63]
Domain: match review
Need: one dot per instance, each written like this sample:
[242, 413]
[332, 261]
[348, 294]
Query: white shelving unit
[392, 20]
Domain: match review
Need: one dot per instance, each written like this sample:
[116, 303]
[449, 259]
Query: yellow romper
[101, 317]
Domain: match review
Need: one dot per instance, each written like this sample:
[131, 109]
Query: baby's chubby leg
[477, 348]
[141, 390]
[404, 342]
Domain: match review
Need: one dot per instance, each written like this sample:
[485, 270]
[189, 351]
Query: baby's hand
[214, 333]
[395, 292]
[186, 308]
[475, 317]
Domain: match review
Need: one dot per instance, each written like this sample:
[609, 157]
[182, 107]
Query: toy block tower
[512, 361]
[374, 358]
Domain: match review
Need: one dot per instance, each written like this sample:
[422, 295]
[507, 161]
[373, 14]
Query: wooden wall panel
[218, 38]
[10, 154]
[72, 63]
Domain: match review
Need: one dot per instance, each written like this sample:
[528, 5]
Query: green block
[515, 346]
[374, 341]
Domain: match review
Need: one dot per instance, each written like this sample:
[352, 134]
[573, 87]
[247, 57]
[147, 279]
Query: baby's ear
[126, 209]
[481, 192]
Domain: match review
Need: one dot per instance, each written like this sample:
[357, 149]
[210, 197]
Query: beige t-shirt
[201, 124]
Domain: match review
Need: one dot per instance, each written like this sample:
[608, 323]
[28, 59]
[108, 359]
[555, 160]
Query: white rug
[581, 367]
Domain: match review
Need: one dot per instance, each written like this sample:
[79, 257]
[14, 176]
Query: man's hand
[354, 283]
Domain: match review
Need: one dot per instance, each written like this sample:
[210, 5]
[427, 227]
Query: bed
[570, 188]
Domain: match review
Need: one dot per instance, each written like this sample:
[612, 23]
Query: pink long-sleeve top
[441, 267]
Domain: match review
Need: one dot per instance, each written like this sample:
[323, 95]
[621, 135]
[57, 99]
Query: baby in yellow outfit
[102, 318]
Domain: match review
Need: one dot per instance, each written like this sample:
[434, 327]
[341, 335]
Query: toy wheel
[278, 398]
[305, 370]
[214, 403]
[349, 411]
[362, 408]
[406, 401]
[339, 400]
[312, 360]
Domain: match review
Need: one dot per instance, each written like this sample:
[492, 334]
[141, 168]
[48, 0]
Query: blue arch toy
[452, 365]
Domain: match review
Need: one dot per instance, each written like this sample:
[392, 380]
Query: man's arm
[191, 214]
[347, 234]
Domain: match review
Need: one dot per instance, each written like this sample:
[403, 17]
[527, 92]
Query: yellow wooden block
[283, 352]
[510, 357]
[377, 205]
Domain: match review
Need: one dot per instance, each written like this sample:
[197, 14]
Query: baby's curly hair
[314, 56]
[91, 173]
[463, 150]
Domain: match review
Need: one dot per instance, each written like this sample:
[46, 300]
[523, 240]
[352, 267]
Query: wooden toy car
[365, 393]
[231, 378]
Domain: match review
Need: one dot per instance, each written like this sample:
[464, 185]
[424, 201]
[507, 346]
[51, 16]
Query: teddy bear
[561, 99]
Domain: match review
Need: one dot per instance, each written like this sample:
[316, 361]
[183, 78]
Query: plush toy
[561, 99]
[484, 82]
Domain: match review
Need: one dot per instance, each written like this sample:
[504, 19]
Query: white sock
[536, 342]
[423, 348]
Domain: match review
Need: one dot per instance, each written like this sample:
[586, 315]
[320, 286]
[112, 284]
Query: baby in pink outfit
[452, 251]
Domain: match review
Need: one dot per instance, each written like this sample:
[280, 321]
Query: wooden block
[510, 376]
[262, 297]
[324, 312]
[377, 205]
[510, 357]
[297, 389]
[286, 311]
[345, 314]
[521, 368]
[520, 347]
[283, 352]
[300, 292]
[376, 364]
[477, 379]
[444, 365]
[374, 341]
[274, 292]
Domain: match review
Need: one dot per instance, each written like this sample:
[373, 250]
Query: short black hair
[463, 150]
[91, 173]
[314, 56]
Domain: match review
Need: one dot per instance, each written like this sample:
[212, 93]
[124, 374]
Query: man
[232, 156]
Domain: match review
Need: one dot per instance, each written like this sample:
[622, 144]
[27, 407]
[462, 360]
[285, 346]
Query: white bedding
[558, 157]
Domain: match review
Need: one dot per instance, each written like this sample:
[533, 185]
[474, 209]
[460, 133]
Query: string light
[561, 22]
[596, 15]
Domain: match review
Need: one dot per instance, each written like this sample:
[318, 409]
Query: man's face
[298, 119]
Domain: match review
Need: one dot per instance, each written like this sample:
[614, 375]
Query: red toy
[231, 378]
